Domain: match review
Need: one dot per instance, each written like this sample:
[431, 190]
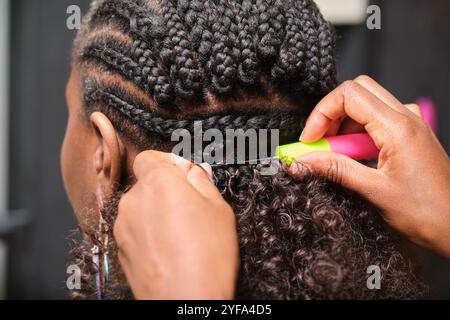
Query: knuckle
[414, 106]
[334, 170]
[363, 79]
[350, 88]
[348, 85]
[407, 128]
[415, 109]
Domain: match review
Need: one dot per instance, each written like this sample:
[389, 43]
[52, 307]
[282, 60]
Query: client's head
[145, 68]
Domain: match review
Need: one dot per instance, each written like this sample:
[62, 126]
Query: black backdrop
[40, 44]
[409, 56]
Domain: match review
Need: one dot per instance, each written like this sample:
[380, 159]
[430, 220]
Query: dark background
[409, 56]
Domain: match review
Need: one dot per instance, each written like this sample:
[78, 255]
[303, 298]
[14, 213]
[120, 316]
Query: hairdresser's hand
[411, 185]
[176, 235]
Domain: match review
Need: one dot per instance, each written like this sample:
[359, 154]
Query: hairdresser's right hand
[411, 184]
[176, 235]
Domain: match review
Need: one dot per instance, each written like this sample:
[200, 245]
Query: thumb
[339, 169]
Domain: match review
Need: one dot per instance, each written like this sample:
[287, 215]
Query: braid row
[270, 31]
[222, 64]
[326, 45]
[311, 80]
[177, 56]
[144, 73]
[291, 60]
[118, 60]
[134, 17]
[183, 50]
[153, 122]
[147, 27]
[196, 14]
[248, 65]
[152, 78]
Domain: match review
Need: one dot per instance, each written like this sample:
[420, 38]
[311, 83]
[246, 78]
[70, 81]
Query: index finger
[353, 100]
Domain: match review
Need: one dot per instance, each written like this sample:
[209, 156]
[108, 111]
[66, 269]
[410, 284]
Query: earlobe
[109, 157]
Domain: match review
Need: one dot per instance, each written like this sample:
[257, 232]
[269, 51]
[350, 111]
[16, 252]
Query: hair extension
[300, 238]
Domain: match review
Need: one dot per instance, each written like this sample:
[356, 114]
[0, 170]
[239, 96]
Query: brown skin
[187, 236]
[411, 184]
[201, 261]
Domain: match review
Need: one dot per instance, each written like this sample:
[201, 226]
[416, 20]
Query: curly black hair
[154, 66]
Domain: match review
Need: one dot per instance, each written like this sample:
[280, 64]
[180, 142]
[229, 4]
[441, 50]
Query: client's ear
[108, 157]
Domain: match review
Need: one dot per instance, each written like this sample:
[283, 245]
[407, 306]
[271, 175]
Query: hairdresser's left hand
[176, 235]
[411, 184]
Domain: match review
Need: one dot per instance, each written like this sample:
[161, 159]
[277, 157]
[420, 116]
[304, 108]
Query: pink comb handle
[429, 112]
[358, 146]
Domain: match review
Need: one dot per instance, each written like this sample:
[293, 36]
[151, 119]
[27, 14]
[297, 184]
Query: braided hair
[155, 66]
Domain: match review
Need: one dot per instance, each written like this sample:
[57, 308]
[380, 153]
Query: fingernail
[208, 170]
[301, 136]
[295, 168]
[177, 160]
[207, 167]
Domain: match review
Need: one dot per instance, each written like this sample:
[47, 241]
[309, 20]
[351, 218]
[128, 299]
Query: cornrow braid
[327, 44]
[184, 50]
[154, 81]
[116, 57]
[311, 83]
[178, 56]
[222, 64]
[196, 15]
[248, 65]
[136, 19]
[162, 126]
[270, 29]
[291, 61]
[133, 16]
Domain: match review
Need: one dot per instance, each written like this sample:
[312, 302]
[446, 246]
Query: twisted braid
[195, 15]
[310, 82]
[188, 49]
[270, 30]
[119, 60]
[248, 65]
[134, 17]
[138, 20]
[153, 79]
[291, 61]
[154, 123]
[326, 44]
[222, 64]
[178, 56]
